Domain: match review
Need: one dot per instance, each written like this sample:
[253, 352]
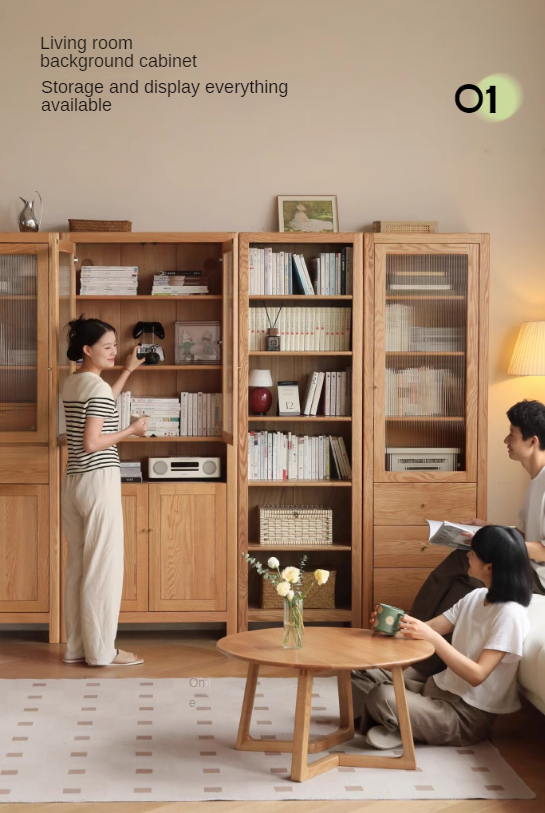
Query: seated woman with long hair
[459, 705]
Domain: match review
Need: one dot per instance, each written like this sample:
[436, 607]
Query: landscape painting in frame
[308, 214]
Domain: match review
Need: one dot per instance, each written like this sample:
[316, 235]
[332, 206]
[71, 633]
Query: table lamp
[260, 399]
[529, 353]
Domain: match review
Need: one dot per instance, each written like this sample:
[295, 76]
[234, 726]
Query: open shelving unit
[343, 497]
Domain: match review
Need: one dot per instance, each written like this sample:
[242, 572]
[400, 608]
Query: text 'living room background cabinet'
[425, 391]
[178, 565]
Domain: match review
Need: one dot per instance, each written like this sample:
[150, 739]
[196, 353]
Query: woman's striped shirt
[86, 395]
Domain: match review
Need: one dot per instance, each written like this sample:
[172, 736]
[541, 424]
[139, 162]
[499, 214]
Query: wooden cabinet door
[188, 563]
[229, 339]
[134, 497]
[24, 548]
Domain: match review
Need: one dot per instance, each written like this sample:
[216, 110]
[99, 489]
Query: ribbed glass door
[23, 342]
[426, 362]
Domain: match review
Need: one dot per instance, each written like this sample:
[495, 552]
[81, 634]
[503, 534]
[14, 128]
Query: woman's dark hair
[81, 332]
[505, 549]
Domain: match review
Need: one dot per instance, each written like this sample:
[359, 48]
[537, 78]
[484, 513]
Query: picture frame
[308, 214]
[288, 398]
[197, 342]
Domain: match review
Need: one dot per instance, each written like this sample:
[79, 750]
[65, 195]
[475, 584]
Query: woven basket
[295, 525]
[99, 225]
[321, 597]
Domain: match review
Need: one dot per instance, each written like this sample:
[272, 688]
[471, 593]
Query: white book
[309, 392]
[317, 394]
[282, 329]
[335, 455]
[327, 340]
[308, 281]
[270, 475]
[313, 458]
[345, 462]
[321, 466]
[327, 397]
[251, 272]
[251, 329]
[343, 394]
[323, 276]
[261, 254]
[333, 395]
[300, 457]
[337, 273]
[347, 326]
[273, 274]
[183, 413]
[338, 394]
[291, 316]
[195, 408]
[349, 271]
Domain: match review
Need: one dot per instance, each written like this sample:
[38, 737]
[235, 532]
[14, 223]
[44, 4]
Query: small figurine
[187, 344]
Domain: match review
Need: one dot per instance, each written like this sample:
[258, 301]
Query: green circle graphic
[508, 97]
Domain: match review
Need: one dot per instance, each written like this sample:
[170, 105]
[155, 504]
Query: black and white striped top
[86, 395]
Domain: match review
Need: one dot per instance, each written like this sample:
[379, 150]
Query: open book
[448, 534]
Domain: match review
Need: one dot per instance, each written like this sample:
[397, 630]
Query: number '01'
[480, 98]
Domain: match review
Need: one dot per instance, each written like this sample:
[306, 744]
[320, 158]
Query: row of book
[109, 280]
[328, 393]
[403, 334]
[423, 391]
[283, 273]
[301, 329]
[131, 471]
[287, 456]
[201, 414]
[163, 414]
[180, 283]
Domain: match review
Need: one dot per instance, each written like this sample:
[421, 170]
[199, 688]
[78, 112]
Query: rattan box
[405, 226]
[100, 225]
[295, 525]
[320, 597]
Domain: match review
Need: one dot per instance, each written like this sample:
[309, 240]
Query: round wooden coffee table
[325, 649]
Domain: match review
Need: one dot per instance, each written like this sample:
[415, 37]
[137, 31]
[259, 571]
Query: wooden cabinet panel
[24, 548]
[413, 503]
[398, 587]
[135, 526]
[24, 464]
[187, 541]
[406, 546]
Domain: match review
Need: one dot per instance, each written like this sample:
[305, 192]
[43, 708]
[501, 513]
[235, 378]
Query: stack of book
[180, 283]
[123, 404]
[402, 334]
[131, 471]
[163, 415]
[109, 280]
[301, 328]
[328, 393]
[280, 273]
[22, 358]
[200, 414]
[286, 456]
[424, 391]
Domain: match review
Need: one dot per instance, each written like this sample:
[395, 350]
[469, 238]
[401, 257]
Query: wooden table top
[340, 648]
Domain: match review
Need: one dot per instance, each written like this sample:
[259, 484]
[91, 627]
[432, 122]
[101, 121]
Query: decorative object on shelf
[27, 217]
[293, 585]
[149, 349]
[288, 398]
[273, 333]
[260, 398]
[529, 353]
[100, 225]
[295, 525]
[197, 342]
[405, 226]
[307, 213]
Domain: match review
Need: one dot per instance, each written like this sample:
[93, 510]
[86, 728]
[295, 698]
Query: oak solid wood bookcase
[425, 388]
[343, 497]
[179, 566]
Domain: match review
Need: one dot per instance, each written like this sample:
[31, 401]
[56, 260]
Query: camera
[149, 349]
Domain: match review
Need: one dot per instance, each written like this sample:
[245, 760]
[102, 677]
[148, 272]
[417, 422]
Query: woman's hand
[132, 362]
[139, 427]
[411, 627]
[373, 617]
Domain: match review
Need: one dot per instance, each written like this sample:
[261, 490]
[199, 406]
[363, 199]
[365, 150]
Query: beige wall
[369, 116]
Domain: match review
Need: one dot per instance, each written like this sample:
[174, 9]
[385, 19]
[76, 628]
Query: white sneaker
[382, 739]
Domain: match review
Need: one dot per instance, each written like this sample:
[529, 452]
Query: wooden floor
[520, 737]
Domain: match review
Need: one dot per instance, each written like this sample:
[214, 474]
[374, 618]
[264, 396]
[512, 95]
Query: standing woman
[91, 496]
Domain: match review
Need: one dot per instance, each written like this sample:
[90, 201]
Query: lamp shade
[529, 353]
[260, 378]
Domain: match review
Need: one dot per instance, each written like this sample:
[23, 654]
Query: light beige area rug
[173, 740]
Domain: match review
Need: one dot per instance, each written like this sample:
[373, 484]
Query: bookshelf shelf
[424, 297]
[423, 353]
[15, 297]
[430, 418]
[17, 367]
[175, 439]
[149, 298]
[343, 497]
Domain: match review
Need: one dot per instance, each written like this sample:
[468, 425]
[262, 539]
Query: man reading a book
[450, 581]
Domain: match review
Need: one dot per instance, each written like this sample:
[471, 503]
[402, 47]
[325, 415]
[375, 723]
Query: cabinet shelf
[21, 297]
[258, 614]
[299, 483]
[17, 367]
[422, 353]
[430, 418]
[454, 298]
[337, 547]
[299, 297]
[174, 439]
[285, 418]
[149, 297]
[280, 353]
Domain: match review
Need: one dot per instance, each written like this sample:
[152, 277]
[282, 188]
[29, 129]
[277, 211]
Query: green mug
[388, 619]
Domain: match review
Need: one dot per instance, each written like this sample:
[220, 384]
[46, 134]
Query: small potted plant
[289, 585]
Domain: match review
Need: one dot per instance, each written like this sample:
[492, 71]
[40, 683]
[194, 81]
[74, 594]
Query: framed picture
[288, 398]
[309, 214]
[197, 343]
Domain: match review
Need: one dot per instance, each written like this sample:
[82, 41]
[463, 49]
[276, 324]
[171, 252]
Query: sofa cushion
[532, 666]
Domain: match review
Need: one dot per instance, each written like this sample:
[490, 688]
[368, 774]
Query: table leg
[247, 706]
[300, 769]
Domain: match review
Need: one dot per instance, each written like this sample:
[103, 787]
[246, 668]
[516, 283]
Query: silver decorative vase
[27, 218]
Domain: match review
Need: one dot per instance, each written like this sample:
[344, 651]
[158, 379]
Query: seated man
[450, 581]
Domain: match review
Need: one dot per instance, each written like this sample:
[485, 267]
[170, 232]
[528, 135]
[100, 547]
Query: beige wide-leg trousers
[92, 519]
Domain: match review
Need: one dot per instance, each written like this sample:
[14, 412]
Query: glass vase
[293, 623]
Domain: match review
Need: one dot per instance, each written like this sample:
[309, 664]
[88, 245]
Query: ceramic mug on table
[388, 618]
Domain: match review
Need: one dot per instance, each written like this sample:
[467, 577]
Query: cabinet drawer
[24, 464]
[413, 503]
[403, 546]
[398, 587]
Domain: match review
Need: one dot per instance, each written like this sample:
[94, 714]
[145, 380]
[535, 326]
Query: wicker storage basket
[295, 525]
[321, 597]
[99, 225]
[405, 226]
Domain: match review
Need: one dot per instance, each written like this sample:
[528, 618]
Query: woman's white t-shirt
[478, 626]
[87, 395]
